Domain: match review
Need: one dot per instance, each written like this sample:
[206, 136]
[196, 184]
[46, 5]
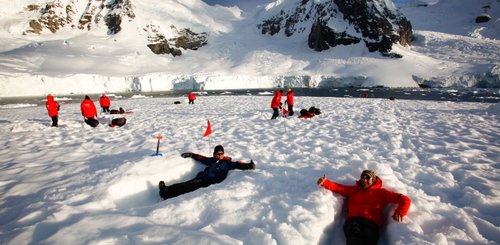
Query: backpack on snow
[92, 122]
[118, 122]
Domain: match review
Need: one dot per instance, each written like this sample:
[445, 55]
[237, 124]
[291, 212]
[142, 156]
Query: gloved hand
[252, 164]
[397, 217]
[321, 180]
[186, 154]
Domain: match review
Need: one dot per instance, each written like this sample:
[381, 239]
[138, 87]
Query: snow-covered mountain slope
[225, 49]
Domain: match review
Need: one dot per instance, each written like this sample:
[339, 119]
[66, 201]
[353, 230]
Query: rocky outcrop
[343, 22]
[185, 39]
[54, 15]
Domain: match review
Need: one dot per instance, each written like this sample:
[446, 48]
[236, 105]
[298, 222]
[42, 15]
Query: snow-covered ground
[80, 185]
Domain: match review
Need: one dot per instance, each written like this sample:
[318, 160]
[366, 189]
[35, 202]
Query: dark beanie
[369, 173]
[87, 97]
[218, 149]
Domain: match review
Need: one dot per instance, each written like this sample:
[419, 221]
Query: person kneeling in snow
[365, 206]
[215, 172]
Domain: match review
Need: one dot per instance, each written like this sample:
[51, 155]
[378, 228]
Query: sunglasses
[366, 177]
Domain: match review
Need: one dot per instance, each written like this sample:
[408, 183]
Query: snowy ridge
[448, 51]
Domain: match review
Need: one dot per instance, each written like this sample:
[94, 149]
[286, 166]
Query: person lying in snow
[365, 206]
[313, 111]
[120, 111]
[215, 172]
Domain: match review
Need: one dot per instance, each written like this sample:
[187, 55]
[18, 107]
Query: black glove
[187, 154]
[252, 164]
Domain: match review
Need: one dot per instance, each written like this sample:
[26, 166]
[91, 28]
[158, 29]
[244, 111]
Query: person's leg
[182, 188]
[276, 113]
[359, 231]
[290, 110]
[54, 121]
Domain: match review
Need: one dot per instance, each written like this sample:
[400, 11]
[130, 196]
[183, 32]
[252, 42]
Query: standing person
[191, 97]
[289, 101]
[52, 109]
[215, 172]
[365, 206]
[276, 103]
[104, 102]
[89, 111]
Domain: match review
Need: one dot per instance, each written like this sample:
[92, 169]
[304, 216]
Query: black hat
[218, 149]
[87, 97]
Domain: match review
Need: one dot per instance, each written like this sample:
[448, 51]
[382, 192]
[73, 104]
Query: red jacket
[289, 98]
[191, 96]
[307, 115]
[104, 101]
[52, 106]
[88, 108]
[275, 103]
[369, 203]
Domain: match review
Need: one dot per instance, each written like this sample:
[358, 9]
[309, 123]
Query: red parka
[275, 103]
[289, 98]
[104, 101]
[191, 96]
[88, 108]
[52, 106]
[369, 203]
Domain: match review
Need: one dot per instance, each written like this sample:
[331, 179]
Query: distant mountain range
[186, 44]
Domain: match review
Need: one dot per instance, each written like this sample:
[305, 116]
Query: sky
[80, 185]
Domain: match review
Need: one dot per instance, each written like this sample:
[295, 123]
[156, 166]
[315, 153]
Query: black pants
[191, 102]
[105, 109]
[54, 121]
[290, 110]
[276, 113]
[185, 187]
[360, 231]
[92, 122]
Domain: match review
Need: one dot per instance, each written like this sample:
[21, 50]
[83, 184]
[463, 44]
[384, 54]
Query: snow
[449, 51]
[80, 185]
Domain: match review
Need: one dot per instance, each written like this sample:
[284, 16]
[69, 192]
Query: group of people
[276, 103]
[366, 200]
[88, 110]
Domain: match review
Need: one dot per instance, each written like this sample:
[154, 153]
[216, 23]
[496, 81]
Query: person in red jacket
[191, 97]
[365, 206]
[276, 103]
[52, 109]
[89, 111]
[289, 101]
[105, 103]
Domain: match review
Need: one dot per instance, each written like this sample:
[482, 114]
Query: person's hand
[397, 217]
[252, 164]
[186, 154]
[321, 180]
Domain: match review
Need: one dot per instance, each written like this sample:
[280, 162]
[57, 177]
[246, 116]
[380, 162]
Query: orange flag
[209, 129]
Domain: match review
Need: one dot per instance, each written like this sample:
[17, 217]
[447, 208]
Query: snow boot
[163, 190]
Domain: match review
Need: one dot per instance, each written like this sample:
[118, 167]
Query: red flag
[209, 129]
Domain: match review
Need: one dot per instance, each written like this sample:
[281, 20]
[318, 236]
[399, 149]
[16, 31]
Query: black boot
[163, 190]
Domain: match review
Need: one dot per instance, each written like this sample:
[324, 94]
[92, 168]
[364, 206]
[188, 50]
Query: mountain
[146, 45]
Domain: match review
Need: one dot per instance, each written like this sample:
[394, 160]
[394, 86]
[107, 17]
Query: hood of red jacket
[50, 98]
